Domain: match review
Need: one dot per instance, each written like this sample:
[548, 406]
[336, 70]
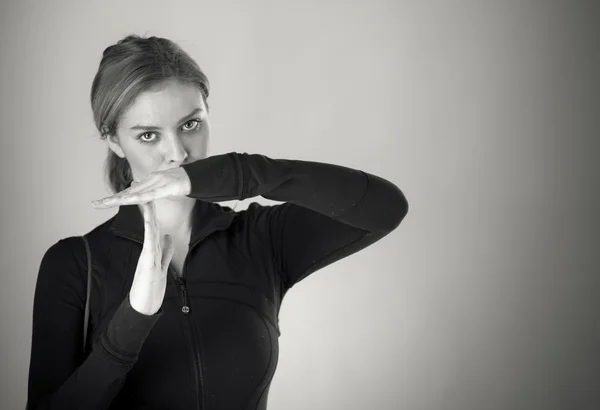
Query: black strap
[87, 298]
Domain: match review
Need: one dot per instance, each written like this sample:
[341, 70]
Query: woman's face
[163, 129]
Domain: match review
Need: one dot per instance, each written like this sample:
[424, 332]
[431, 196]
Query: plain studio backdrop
[485, 114]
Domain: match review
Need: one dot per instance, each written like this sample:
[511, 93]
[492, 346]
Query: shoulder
[63, 253]
[61, 268]
[71, 250]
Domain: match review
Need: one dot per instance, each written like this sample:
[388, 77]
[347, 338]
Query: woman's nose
[176, 152]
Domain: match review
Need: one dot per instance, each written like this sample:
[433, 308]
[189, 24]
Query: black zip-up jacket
[214, 342]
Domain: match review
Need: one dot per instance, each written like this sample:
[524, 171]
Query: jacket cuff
[127, 331]
[216, 178]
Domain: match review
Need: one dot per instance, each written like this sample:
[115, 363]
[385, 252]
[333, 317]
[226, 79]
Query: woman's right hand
[150, 281]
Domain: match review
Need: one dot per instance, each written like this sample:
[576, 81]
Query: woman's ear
[114, 146]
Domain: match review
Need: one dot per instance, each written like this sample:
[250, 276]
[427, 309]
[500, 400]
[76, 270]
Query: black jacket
[223, 352]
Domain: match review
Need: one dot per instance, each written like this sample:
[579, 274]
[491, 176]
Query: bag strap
[87, 298]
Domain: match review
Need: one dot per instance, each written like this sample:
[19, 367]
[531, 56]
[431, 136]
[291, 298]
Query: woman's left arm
[357, 198]
[330, 212]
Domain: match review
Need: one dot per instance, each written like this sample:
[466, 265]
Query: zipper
[185, 308]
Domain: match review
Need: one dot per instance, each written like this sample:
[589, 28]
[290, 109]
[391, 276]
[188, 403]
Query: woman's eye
[141, 137]
[191, 125]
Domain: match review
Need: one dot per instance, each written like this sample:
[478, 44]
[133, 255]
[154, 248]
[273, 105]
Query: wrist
[186, 182]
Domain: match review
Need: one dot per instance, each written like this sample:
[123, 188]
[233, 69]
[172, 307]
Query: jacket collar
[207, 217]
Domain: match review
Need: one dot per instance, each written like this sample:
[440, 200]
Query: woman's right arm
[59, 378]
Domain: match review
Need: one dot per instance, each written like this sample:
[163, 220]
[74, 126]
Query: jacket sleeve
[330, 211]
[60, 377]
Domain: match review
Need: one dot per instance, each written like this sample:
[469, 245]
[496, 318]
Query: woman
[186, 293]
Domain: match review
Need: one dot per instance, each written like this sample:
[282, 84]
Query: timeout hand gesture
[159, 184]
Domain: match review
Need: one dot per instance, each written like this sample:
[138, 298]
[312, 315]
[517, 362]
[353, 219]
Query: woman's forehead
[164, 106]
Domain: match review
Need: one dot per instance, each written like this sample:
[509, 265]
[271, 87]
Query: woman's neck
[173, 215]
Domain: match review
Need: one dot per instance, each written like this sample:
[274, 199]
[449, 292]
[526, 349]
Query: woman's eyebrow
[154, 127]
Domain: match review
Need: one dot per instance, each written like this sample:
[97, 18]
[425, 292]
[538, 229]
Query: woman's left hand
[172, 182]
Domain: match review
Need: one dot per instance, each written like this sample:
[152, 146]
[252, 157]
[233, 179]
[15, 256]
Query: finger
[144, 196]
[132, 188]
[121, 194]
[107, 202]
[126, 196]
[124, 199]
[137, 198]
[168, 249]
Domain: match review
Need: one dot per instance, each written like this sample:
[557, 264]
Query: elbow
[388, 204]
[400, 208]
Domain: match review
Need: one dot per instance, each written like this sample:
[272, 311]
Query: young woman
[186, 293]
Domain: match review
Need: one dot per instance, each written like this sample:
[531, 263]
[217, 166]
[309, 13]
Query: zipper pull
[185, 308]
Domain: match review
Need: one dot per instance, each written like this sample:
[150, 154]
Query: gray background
[486, 115]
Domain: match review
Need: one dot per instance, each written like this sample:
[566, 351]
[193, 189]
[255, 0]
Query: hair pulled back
[133, 65]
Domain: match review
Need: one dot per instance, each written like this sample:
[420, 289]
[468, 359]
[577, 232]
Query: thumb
[168, 249]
